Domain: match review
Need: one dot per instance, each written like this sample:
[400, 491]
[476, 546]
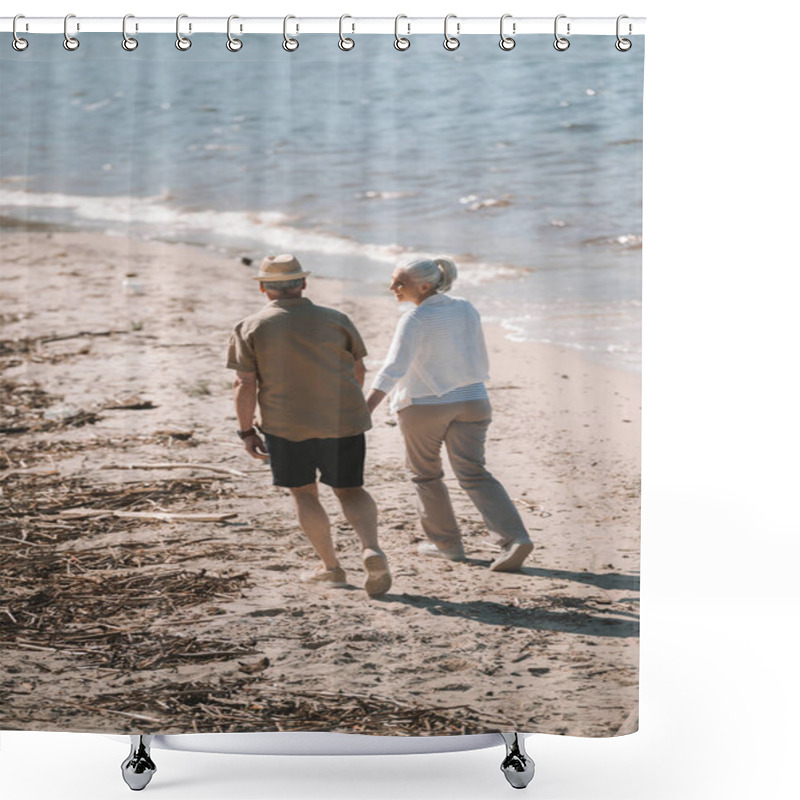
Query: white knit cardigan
[438, 346]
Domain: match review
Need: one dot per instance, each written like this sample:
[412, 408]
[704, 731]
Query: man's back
[304, 357]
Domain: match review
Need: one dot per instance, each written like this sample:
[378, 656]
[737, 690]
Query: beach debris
[157, 516]
[251, 669]
[40, 471]
[179, 465]
[60, 413]
[28, 344]
[173, 433]
[132, 403]
[27, 407]
[132, 287]
[241, 704]
[537, 508]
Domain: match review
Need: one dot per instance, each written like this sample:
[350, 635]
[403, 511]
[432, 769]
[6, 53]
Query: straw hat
[284, 267]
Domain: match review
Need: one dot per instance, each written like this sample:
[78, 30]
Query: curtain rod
[458, 26]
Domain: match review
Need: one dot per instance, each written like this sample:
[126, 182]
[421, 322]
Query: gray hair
[439, 271]
[283, 286]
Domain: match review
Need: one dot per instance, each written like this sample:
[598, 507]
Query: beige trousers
[461, 427]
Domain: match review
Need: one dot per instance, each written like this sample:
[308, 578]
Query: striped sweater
[438, 347]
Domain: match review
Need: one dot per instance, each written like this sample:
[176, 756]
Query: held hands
[255, 446]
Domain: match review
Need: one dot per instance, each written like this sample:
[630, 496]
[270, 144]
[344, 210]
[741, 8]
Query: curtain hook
[507, 42]
[234, 45]
[70, 42]
[346, 43]
[181, 42]
[451, 42]
[128, 42]
[18, 43]
[561, 43]
[289, 44]
[623, 45]
[400, 42]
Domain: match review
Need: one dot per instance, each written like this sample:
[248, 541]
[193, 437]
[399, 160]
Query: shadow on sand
[577, 617]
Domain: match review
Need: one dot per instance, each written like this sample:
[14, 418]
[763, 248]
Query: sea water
[525, 166]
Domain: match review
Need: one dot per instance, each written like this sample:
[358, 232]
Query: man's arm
[361, 371]
[245, 393]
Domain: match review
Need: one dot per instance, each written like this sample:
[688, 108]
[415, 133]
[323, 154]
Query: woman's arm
[374, 399]
[398, 359]
[400, 355]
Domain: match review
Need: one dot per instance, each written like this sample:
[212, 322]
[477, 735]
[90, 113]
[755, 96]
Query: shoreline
[145, 368]
[509, 323]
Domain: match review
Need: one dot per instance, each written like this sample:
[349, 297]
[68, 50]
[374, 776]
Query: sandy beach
[113, 355]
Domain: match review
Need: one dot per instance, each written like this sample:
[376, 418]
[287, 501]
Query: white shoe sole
[513, 558]
[435, 552]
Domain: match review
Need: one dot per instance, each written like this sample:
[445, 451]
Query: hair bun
[438, 271]
[448, 271]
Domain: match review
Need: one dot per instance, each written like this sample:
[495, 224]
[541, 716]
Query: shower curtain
[158, 575]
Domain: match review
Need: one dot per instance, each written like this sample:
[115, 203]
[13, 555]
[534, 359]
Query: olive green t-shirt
[303, 356]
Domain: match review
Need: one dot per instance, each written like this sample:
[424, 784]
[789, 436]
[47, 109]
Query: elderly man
[300, 372]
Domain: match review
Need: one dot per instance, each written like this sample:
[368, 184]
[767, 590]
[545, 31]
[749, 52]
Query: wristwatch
[244, 434]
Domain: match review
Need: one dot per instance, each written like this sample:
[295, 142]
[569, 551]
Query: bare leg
[361, 512]
[315, 523]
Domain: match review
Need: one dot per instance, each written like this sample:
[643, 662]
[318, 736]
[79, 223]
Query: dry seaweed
[242, 704]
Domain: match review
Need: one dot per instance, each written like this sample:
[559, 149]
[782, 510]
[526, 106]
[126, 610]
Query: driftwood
[21, 541]
[536, 508]
[100, 710]
[178, 465]
[78, 335]
[160, 516]
[31, 471]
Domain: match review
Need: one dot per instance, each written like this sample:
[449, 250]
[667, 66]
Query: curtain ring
[128, 42]
[18, 43]
[506, 42]
[400, 42]
[345, 43]
[623, 45]
[181, 42]
[451, 42]
[70, 42]
[289, 44]
[561, 43]
[234, 45]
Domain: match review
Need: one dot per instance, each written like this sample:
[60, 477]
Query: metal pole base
[517, 766]
[138, 768]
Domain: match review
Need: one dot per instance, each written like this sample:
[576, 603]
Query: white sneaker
[510, 560]
[430, 549]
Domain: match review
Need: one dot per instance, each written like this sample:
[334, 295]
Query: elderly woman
[435, 371]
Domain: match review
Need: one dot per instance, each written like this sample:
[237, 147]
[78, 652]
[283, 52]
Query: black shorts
[340, 461]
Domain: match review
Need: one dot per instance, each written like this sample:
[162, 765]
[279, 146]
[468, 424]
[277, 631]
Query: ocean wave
[474, 203]
[387, 195]
[157, 217]
[630, 241]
